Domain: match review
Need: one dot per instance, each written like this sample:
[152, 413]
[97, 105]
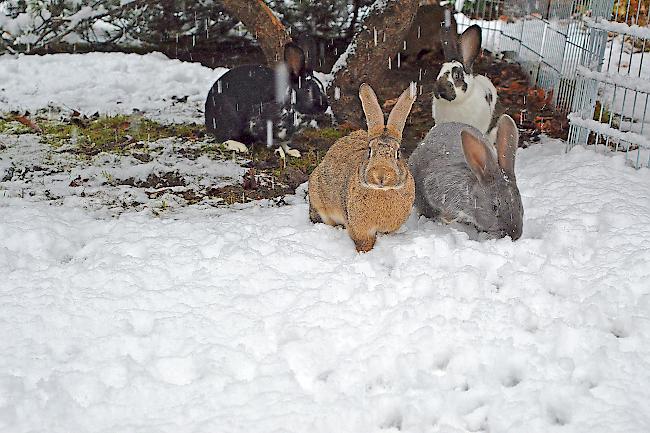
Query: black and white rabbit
[458, 94]
[460, 177]
[243, 101]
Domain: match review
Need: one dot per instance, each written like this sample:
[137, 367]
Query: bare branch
[260, 21]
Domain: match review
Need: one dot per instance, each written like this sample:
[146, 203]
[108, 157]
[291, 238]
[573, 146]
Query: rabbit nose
[442, 88]
[382, 177]
[515, 233]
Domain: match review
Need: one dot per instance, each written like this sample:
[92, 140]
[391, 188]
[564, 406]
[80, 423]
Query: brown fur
[366, 195]
[427, 24]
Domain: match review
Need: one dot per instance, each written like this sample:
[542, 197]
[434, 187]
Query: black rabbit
[243, 101]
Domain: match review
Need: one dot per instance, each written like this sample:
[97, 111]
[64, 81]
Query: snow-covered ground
[109, 83]
[251, 319]
[259, 321]
[153, 176]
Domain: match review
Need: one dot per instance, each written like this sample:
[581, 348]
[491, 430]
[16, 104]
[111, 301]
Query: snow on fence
[589, 53]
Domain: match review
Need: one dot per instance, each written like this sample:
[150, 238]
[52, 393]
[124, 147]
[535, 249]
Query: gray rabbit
[460, 178]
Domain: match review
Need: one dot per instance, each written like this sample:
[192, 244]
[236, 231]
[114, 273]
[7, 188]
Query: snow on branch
[42, 23]
[27, 26]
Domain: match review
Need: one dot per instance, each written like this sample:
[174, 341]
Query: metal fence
[589, 53]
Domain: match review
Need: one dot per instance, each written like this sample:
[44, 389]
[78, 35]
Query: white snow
[616, 79]
[622, 89]
[341, 62]
[626, 69]
[604, 129]
[622, 28]
[109, 83]
[108, 183]
[115, 318]
[257, 320]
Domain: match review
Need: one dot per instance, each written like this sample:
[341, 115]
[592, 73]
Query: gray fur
[446, 189]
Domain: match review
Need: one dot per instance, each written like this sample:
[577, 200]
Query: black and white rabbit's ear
[506, 143]
[479, 158]
[294, 57]
[470, 46]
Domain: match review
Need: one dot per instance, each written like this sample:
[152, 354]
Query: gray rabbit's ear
[372, 110]
[294, 57]
[470, 46]
[478, 156]
[506, 143]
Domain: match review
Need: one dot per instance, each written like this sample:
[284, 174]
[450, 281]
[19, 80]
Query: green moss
[115, 134]
[10, 126]
[325, 133]
[308, 160]
[601, 111]
[111, 134]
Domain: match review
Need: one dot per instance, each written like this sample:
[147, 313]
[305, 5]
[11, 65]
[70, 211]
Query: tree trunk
[266, 27]
[353, 21]
[369, 56]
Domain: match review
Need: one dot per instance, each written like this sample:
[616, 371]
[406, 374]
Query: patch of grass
[11, 126]
[112, 133]
[329, 133]
[601, 111]
[308, 160]
[603, 115]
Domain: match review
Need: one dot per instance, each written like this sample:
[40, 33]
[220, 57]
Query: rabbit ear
[449, 41]
[477, 155]
[295, 59]
[401, 110]
[506, 143]
[374, 115]
[470, 46]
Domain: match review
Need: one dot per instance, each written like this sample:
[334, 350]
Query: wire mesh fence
[611, 107]
[589, 53]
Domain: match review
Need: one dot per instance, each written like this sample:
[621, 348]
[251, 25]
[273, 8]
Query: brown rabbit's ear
[401, 110]
[449, 39]
[477, 156]
[372, 109]
[506, 143]
[470, 46]
[294, 57]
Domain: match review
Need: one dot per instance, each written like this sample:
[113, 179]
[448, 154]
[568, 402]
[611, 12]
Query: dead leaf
[250, 182]
[29, 123]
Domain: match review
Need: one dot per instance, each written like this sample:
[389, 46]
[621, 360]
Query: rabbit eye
[398, 154]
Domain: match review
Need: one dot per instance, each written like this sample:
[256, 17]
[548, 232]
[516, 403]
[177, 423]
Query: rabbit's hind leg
[223, 120]
[314, 216]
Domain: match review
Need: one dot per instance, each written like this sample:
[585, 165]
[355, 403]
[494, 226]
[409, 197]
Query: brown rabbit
[363, 183]
[423, 39]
